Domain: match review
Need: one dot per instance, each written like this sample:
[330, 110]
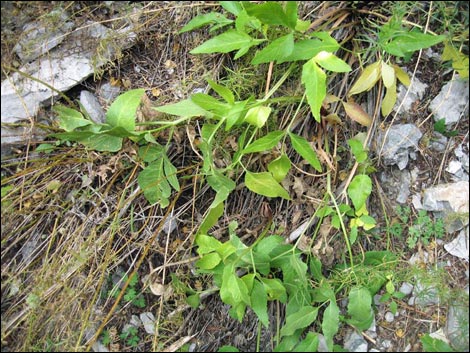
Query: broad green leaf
[154, 184]
[242, 51]
[402, 75]
[353, 233]
[316, 269]
[265, 143]
[103, 143]
[267, 244]
[460, 61]
[303, 148]
[235, 114]
[367, 79]
[217, 181]
[122, 111]
[73, 135]
[368, 222]
[329, 43]
[265, 184]
[194, 300]
[211, 218]
[304, 50]
[270, 13]
[233, 7]
[117, 131]
[358, 150]
[331, 62]
[356, 113]
[291, 14]
[209, 103]
[410, 42]
[275, 51]
[150, 153]
[257, 116]
[45, 148]
[207, 244]
[205, 19]
[233, 290]
[389, 100]
[359, 190]
[183, 108]
[170, 173]
[223, 91]
[302, 26]
[330, 324]
[70, 119]
[274, 289]
[431, 344]
[228, 348]
[244, 20]
[208, 261]
[388, 75]
[299, 320]
[308, 344]
[314, 80]
[220, 196]
[259, 302]
[225, 43]
[360, 311]
[280, 167]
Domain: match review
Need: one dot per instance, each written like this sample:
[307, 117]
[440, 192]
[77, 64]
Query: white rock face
[451, 103]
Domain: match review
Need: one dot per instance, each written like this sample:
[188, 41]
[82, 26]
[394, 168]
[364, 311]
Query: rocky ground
[92, 52]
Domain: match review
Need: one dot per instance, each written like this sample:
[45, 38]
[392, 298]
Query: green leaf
[211, 219]
[228, 348]
[207, 244]
[150, 153]
[208, 261]
[314, 80]
[70, 119]
[185, 108]
[331, 62]
[265, 184]
[299, 320]
[45, 148]
[226, 42]
[308, 344]
[153, 183]
[358, 150]
[235, 114]
[194, 300]
[259, 302]
[431, 344]
[209, 103]
[122, 111]
[388, 75]
[265, 143]
[367, 79]
[233, 7]
[291, 14]
[257, 116]
[356, 113]
[267, 244]
[270, 13]
[205, 19]
[360, 311]
[389, 100]
[402, 75]
[170, 173]
[103, 143]
[359, 190]
[304, 50]
[275, 51]
[220, 196]
[330, 324]
[410, 42]
[218, 181]
[233, 290]
[223, 91]
[274, 289]
[280, 167]
[305, 150]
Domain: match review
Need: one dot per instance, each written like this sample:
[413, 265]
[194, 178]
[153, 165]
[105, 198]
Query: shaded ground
[76, 223]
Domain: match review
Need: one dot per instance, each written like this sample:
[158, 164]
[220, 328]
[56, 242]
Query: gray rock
[438, 142]
[108, 92]
[462, 156]
[406, 288]
[61, 69]
[415, 92]
[149, 322]
[452, 102]
[389, 317]
[397, 143]
[396, 183]
[354, 342]
[457, 325]
[456, 169]
[92, 107]
[425, 294]
[459, 246]
[450, 199]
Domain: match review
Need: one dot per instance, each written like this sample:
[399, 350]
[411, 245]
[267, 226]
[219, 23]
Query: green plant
[130, 336]
[132, 294]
